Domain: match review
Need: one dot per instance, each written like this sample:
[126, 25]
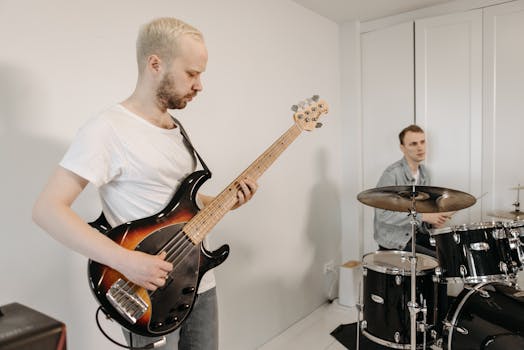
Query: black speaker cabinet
[22, 328]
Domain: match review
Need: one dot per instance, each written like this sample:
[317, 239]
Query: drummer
[392, 230]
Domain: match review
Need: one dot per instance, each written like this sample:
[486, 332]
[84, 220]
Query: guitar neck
[200, 225]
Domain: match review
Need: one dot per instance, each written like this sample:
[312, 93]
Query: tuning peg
[319, 125]
[315, 98]
[302, 104]
[294, 108]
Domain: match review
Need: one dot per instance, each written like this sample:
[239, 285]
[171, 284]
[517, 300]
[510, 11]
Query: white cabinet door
[387, 105]
[448, 79]
[504, 104]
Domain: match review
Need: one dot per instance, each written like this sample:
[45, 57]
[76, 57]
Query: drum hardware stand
[412, 304]
[424, 324]
[517, 203]
[359, 306]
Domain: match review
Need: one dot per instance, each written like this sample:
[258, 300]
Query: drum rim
[459, 229]
[514, 223]
[475, 289]
[395, 270]
[479, 225]
[442, 230]
[388, 343]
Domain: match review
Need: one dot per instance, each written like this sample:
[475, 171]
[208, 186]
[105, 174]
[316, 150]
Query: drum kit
[405, 302]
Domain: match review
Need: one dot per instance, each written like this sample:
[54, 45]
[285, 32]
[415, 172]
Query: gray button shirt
[392, 229]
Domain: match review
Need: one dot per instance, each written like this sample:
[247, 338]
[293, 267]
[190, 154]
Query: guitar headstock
[308, 112]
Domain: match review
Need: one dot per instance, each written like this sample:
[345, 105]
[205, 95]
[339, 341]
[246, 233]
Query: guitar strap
[190, 146]
[101, 223]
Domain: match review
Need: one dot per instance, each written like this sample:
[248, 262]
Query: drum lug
[438, 274]
[499, 233]
[398, 280]
[462, 330]
[503, 267]
[397, 337]
[432, 241]
[363, 324]
[463, 271]
[484, 294]
[456, 238]
[448, 326]
[364, 272]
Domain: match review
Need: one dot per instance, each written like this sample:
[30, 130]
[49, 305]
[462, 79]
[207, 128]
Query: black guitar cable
[153, 345]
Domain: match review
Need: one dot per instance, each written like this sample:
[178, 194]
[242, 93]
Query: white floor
[313, 332]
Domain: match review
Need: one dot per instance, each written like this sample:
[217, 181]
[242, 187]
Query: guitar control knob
[172, 319]
[188, 290]
[184, 307]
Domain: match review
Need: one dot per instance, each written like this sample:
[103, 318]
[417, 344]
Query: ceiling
[364, 10]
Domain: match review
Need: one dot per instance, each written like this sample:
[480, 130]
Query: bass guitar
[179, 230]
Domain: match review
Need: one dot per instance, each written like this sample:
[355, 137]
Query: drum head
[396, 262]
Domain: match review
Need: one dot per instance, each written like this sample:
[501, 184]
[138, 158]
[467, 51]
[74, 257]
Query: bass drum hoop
[453, 323]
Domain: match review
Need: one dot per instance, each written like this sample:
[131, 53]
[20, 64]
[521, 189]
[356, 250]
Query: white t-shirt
[135, 165]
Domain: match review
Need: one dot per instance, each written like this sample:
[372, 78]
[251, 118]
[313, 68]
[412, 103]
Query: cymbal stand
[517, 203]
[412, 305]
[360, 306]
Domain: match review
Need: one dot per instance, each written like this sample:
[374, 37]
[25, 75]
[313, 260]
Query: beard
[166, 96]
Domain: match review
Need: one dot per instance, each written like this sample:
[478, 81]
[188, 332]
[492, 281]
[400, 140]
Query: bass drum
[488, 316]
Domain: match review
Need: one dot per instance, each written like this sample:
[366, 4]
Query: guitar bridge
[126, 301]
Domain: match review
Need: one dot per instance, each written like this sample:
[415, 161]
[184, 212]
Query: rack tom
[474, 253]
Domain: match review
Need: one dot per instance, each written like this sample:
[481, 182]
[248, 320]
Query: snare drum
[387, 291]
[487, 316]
[474, 253]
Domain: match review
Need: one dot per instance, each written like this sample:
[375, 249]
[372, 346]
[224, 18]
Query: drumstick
[476, 200]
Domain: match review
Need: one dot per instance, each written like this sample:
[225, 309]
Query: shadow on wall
[324, 228]
[36, 270]
[28, 259]
[299, 286]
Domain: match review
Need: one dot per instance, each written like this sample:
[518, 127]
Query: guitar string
[183, 241]
[263, 162]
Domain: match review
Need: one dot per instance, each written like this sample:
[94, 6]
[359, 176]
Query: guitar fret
[198, 227]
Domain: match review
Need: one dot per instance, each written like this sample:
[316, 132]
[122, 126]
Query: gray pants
[198, 332]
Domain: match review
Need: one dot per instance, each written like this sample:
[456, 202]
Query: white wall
[61, 62]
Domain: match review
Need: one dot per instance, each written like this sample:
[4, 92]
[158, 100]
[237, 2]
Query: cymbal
[510, 215]
[517, 188]
[428, 199]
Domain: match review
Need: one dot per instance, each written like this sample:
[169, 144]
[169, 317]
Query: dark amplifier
[22, 328]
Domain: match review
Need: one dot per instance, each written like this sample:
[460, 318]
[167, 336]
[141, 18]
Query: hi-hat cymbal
[428, 199]
[510, 215]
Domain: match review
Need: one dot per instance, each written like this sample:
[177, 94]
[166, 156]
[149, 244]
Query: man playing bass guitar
[136, 156]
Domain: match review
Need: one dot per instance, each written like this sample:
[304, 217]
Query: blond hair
[160, 37]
